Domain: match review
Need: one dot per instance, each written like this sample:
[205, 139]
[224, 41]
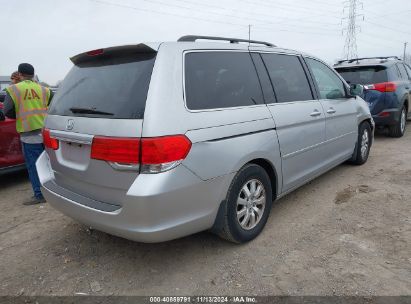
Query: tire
[236, 228]
[398, 129]
[363, 144]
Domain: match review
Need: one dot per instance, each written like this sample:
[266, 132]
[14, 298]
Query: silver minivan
[157, 141]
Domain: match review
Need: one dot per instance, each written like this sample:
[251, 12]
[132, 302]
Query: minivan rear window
[364, 75]
[110, 88]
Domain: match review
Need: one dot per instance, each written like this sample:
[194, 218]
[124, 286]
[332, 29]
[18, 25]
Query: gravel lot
[346, 233]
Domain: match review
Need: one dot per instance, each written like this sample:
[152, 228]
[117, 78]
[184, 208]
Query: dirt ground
[345, 233]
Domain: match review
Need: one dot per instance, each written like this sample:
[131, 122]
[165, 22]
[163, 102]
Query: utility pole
[405, 48]
[350, 46]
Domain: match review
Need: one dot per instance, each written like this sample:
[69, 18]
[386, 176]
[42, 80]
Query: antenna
[350, 46]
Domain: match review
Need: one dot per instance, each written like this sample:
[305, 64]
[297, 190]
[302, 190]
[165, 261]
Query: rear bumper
[391, 119]
[159, 207]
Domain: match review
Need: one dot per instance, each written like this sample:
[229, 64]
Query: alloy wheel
[365, 142]
[403, 121]
[251, 204]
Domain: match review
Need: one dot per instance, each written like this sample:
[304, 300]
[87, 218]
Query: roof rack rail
[192, 38]
[358, 59]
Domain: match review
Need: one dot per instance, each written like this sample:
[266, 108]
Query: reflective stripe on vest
[30, 101]
[44, 97]
[14, 94]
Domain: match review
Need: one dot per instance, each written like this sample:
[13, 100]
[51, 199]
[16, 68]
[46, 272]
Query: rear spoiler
[118, 51]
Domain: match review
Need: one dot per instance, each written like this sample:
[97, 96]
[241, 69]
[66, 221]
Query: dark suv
[387, 88]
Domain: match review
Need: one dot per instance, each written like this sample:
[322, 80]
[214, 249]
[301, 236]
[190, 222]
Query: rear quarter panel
[217, 151]
[223, 139]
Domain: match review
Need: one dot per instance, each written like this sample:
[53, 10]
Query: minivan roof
[225, 46]
[188, 43]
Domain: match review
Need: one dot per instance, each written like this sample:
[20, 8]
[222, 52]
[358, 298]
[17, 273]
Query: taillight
[116, 149]
[49, 141]
[155, 154]
[159, 154]
[95, 52]
[382, 87]
[384, 114]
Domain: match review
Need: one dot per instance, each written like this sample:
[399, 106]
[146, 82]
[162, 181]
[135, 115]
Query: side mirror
[356, 90]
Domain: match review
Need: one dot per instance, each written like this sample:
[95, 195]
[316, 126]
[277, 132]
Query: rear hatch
[369, 76]
[95, 122]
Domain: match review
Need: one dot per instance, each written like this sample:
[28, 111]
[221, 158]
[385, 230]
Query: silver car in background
[157, 141]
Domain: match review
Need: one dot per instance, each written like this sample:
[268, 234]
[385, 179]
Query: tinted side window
[329, 84]
[402, 71]
[288, 77]
[221, 80]
[264, 78]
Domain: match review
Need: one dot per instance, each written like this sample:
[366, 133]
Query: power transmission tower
[350, 46]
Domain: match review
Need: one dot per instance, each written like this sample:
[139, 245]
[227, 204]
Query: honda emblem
[70, 124]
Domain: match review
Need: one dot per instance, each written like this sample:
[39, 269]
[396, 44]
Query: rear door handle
[330, 111]
[315, 113]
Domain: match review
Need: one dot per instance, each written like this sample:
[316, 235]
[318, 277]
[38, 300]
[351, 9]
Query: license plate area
[76, 152]
[74, 155]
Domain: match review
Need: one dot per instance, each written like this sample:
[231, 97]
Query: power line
[299, 27]
[289, 8]
[388, 28]
[164, 13]
[325, 3]
[308, 20]
[390, 14]
[379, 38]
[190, 17]
[374, 42]
[228, 15]
[256, 27]
[378, 2]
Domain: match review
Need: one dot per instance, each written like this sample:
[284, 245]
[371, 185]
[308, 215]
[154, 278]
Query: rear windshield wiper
[89, 111]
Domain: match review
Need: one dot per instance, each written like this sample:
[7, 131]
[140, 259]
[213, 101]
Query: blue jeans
[31, 154]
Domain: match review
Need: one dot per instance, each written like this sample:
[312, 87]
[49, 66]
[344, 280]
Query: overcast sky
[46, 33]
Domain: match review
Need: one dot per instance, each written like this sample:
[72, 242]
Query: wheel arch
[273, 176]
[369, 122]
[271, 171]
[219, 222]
